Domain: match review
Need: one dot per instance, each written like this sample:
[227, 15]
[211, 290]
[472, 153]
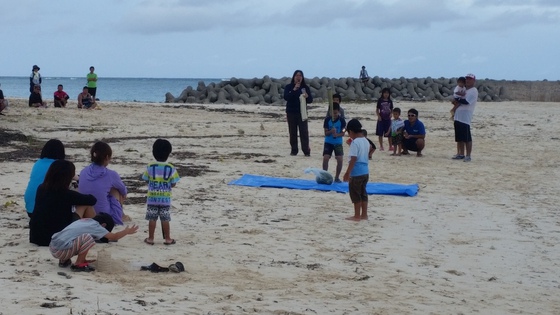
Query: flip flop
[171, 243]
[148, 242]
[154, 268]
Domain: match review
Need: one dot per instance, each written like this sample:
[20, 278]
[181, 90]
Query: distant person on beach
[92, 82]
[161, 177]
[414, 134]
[3, 102]
[337, 99]
[85, 100]
[364, 77]
[463, 117]
[34, 78]
[79, 237]
[335, 128]
[52, 150]
[56, 205]
[397, 126]
[60, 97]
[357, 173]
[458, 93]
[36, 99]
[292, 92]
[105, 184]
[384, 110]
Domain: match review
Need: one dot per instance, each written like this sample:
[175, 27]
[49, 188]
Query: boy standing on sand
[357, 174]
[79, 237]
[337, 99]
[161, 177]
[334, 131]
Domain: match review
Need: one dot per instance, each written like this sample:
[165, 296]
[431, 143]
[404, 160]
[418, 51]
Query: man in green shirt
[92, 82]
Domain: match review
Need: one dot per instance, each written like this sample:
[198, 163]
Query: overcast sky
[496, 39]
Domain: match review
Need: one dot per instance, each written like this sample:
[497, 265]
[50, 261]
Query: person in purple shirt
[105, 184]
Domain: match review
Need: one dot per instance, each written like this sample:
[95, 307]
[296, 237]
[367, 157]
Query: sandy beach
[479, 238]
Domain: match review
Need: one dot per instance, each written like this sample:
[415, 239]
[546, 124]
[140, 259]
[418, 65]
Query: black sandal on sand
[177, 267]
[64, 264]
[148, 242]
[82, 267]
[170, 243]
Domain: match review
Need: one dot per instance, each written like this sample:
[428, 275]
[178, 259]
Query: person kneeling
[79, 237]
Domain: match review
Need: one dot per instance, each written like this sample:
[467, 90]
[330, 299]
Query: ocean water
[108, 89]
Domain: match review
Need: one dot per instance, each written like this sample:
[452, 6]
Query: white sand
[480, 237]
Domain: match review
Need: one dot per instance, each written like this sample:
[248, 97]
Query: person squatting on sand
[463, 118]
[335, 128]
[161, 177]
[292, 93]
[36, 99]
[56, 205]
[85, 100]
[357, 173]
[383, 110]
[414, 134]
[60, 97]
[52, 150]
[80, 236]
[3, 102]
[105, 184]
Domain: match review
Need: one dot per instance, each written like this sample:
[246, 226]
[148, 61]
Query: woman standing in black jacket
[56, 205]
[292, 93]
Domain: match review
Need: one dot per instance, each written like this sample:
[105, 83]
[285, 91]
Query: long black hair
[59, 176]
[53, 149]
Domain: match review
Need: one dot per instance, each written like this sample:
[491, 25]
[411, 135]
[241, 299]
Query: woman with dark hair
[52, 150]
[56, 205]
[105, 184]
[292, 93]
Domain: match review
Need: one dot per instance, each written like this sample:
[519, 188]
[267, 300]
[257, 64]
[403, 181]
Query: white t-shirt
[360, 149]
[465, 112]
[459, 92]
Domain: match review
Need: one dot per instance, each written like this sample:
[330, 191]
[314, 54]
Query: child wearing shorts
[161, 177]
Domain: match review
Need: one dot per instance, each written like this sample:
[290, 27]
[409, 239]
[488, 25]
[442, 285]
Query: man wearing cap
[462, 120]
[34, 78]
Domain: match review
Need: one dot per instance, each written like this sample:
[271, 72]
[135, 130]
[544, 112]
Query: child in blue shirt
[334, 131]
[357, 173]
[161, 177]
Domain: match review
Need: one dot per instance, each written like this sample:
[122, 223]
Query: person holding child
[463, 118]
[161, 177]
[56, 205]
[105, 184]
[335, 128]
[79, 237]
[85, 100]
[296, 88]
[357, 173]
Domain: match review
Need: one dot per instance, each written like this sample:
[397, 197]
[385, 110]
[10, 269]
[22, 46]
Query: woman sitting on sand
[52, 150]
[105, 184]
[57, 205]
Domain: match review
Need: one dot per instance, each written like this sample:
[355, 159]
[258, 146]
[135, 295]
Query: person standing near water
[92, 82]
[34, 78]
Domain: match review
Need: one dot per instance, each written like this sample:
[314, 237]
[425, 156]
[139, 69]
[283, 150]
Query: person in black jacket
[292, 92]
[56, 206]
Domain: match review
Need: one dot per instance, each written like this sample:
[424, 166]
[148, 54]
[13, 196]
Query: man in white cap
[463, 118]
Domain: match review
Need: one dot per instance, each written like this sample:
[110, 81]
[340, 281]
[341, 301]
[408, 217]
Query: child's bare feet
[353, 218]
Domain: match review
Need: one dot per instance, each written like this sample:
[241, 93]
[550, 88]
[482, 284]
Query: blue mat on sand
[305, 184]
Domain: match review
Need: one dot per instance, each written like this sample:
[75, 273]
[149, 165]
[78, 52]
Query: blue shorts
[153, 212]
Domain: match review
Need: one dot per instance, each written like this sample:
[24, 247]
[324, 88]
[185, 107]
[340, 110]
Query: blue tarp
[305, 184]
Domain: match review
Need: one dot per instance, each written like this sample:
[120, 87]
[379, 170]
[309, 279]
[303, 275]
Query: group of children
[70, 222]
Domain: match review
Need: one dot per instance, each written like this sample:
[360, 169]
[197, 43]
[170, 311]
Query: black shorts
[357, 188]
[328, 149]
[92, 91]
[382, 127]
[410, 144]
[462, 132]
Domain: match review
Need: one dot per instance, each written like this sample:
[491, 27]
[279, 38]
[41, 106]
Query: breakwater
[269, 91]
